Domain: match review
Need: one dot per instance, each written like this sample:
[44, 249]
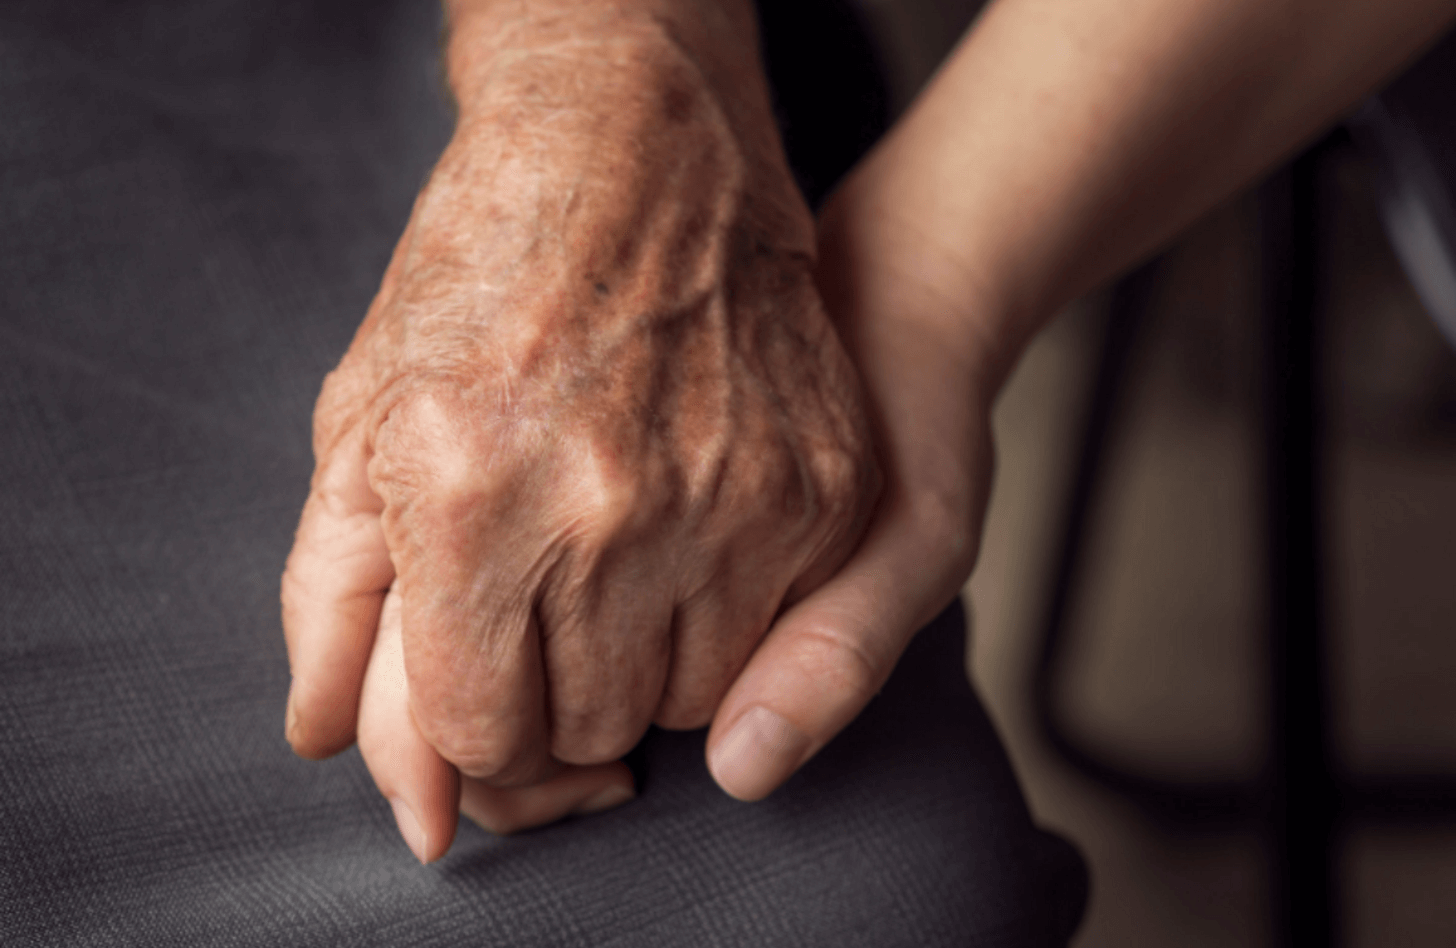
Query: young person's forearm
[1064, 141]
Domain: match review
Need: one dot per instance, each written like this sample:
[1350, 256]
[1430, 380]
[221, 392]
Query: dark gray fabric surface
[196, 203]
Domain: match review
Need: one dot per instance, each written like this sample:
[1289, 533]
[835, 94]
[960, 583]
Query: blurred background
[1168, 661]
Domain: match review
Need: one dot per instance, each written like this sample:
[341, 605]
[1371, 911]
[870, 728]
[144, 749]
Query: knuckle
[582, 737]
[845, 490]
[599, 500]
[591, 744]
[947, 526]
[429, 464]
[685, 712]
[334, 410]
[476, 758]
[780, 487]
[842, 483]
[837, 470]
[484, 753]
[836, 479]
[838, 662]
[696, 687]
[847, 469]
[427, 426]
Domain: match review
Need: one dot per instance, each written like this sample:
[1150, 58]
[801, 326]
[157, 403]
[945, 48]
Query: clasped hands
[599, 458]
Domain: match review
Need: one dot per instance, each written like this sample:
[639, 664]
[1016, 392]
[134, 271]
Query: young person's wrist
[882, 255]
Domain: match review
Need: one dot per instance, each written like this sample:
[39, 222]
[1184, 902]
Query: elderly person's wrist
[716, 32]
[638, 79]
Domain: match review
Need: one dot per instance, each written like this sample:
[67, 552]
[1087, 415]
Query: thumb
[332, 591]
[827, 656]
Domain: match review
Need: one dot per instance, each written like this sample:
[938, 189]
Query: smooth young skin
[1060, 143]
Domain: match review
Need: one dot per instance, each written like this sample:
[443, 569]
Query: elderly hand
[596, 429]
[426, 792]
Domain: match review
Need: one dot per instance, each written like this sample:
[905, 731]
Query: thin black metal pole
[1304, 796]
[1201, 804]
[1127, 310]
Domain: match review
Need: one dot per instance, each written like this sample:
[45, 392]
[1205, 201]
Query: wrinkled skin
[596, 430]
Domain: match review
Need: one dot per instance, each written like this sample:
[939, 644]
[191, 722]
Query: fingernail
[759, 753]
[609, 798]
[409, 828]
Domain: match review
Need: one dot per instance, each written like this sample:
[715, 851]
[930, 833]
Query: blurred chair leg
[1207, 804]
[1305, 798]
[1303, 791]
[1126, 310]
